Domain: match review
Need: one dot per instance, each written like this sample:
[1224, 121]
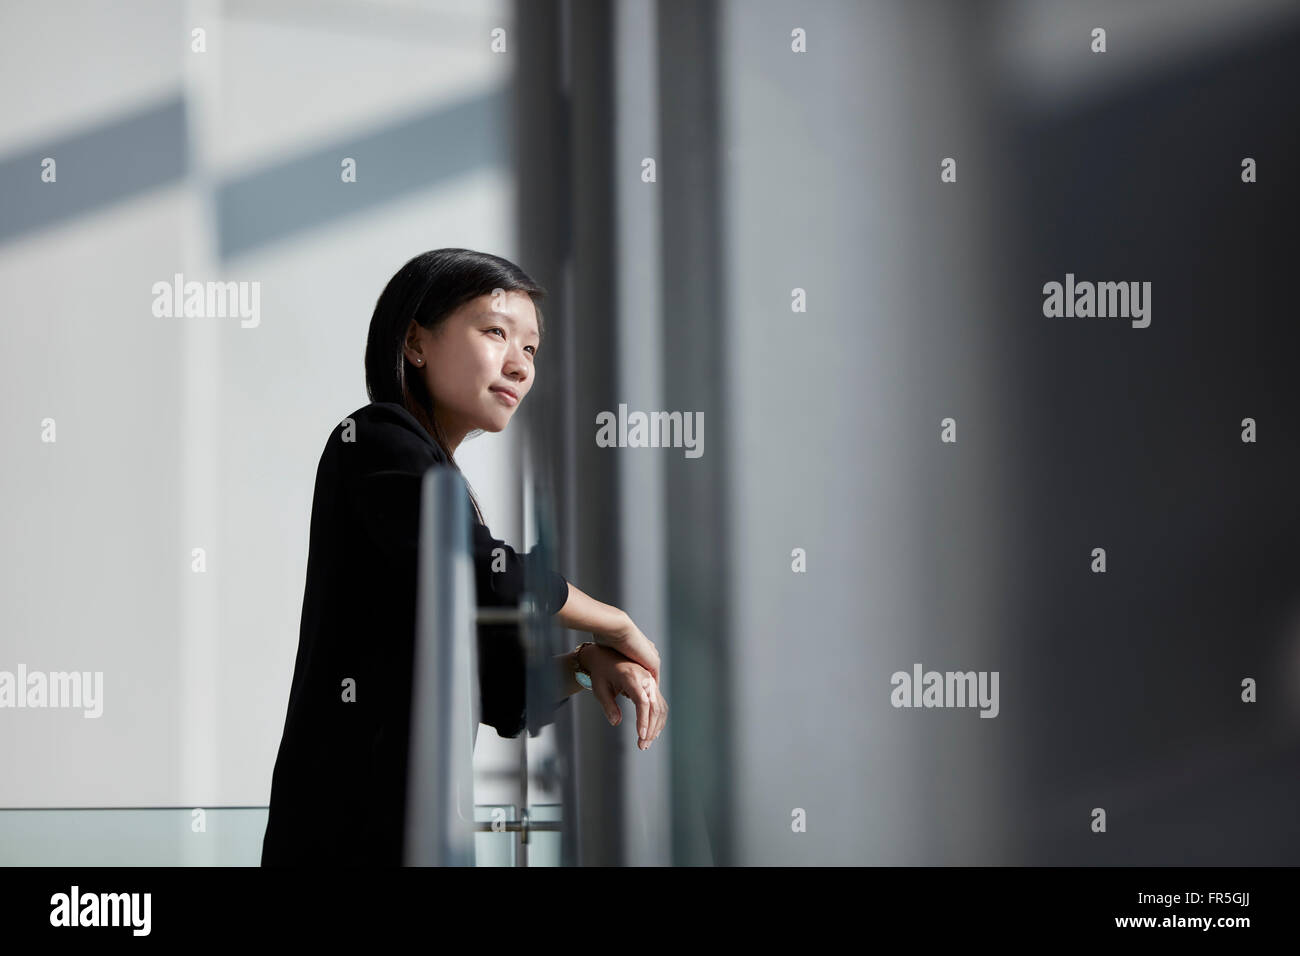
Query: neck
[452, 434]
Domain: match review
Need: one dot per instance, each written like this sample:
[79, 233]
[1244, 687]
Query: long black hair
[428, 289]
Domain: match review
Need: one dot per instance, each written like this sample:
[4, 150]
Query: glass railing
[135, 836]
[445, 827]
[229, 836]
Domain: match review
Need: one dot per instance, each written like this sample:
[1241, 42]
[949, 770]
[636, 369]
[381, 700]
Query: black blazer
[338, 790]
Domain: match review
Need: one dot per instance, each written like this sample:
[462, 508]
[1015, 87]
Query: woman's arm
[610, 626]
[582, 612]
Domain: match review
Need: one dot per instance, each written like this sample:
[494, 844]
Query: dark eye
[503, 335]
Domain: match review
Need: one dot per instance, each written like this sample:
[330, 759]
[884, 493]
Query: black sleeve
[384, 474]
[501, 574]
[388, 467]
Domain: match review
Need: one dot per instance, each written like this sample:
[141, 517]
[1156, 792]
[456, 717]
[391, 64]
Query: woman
[452, 349]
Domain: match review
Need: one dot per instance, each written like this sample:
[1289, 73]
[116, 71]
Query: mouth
[507, 395]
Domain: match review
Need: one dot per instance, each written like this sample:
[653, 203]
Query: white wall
[181, 433]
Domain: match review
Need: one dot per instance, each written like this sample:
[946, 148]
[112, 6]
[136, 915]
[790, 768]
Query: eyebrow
[508, 319]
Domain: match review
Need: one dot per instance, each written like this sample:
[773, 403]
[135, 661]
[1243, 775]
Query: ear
[411, 343]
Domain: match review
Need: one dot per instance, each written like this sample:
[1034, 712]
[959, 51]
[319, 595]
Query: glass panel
[140, 836]
[492, 848]
[231, 836]
[543, 844]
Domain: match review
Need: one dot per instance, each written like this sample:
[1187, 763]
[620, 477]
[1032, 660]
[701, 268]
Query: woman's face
[484, 350]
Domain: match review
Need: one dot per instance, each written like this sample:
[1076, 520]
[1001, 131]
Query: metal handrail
[440, 821]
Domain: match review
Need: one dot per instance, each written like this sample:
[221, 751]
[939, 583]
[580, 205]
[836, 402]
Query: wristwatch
[580, 673]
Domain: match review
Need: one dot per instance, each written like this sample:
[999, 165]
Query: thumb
[605, 697]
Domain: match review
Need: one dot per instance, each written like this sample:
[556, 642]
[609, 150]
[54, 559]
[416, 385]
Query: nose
[516, 367]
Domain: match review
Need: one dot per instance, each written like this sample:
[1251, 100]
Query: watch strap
[580, 673]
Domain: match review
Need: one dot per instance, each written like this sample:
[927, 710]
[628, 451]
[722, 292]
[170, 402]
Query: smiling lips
[506, 395]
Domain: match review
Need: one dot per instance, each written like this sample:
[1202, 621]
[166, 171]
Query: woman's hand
[612, 675]
[628, 640]
[610, 626]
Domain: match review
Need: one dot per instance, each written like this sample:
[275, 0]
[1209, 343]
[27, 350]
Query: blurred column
[643, 506]
[834, 122]
[565, 160]
[955, 235]
[699, 541]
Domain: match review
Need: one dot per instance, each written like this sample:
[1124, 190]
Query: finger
[605, 697]
[653, 691]
[648, 688]
[641, 697]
